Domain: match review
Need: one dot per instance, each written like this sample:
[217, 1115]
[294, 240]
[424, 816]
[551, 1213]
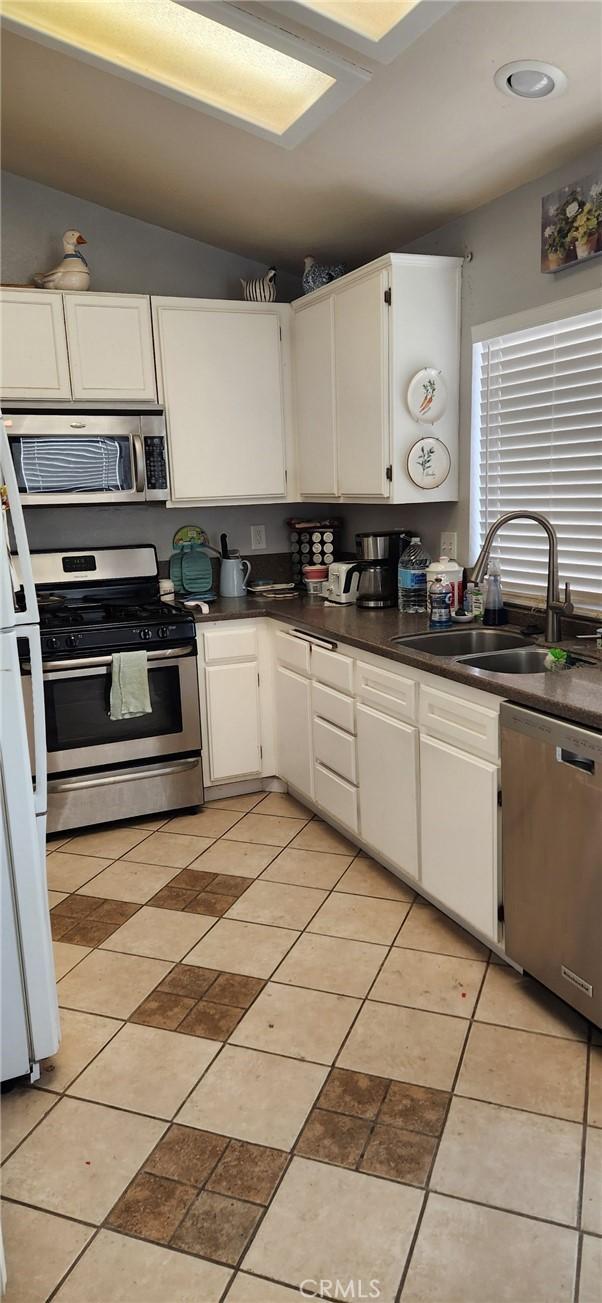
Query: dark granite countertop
[574, 694]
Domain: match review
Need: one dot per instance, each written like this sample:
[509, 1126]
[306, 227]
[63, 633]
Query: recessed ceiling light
[261, 81]
[530, 79]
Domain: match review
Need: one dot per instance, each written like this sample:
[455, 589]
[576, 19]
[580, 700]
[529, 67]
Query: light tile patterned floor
[279, 1070]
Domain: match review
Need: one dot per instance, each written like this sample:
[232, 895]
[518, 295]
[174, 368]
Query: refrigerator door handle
[30, 614]
[39, 723]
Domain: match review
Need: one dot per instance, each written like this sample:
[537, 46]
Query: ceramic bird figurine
[316, 274]
[70, 274]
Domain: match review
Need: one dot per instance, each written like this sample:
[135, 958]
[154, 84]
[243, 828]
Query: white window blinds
[538, 421]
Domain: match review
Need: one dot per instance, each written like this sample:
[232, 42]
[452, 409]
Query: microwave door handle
[39, 724]
[139, 469]
[30, 614]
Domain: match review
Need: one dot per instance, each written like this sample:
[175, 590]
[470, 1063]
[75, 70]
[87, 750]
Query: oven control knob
[71, 640]
[145, 634]
[52, 643]
[162, 631]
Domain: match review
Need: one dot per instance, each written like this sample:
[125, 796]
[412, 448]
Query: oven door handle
[96, 662]
[111, 780]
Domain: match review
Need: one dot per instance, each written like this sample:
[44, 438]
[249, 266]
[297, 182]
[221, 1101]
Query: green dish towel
[130, 695]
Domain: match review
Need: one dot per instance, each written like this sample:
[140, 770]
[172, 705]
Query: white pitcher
[232, 576]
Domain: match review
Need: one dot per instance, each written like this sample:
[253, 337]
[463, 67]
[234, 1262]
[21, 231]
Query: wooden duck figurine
[73, 272]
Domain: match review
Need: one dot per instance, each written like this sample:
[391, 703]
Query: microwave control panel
[156, 465]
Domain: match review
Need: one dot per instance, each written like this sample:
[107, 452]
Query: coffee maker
[378, 555]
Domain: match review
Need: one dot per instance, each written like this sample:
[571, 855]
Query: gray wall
[503, 278]
[125, 255]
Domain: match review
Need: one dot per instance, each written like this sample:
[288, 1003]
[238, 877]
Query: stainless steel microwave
[76, 457]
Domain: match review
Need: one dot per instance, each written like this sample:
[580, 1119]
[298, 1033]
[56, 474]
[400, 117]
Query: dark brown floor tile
[210, 903]
[115, 911]
[88, 932]
[162, 1009]
[185, 1154]
[248, 1171]
[196, 879]
[232, 988]
[417, 1108]
[230, 885]
[58, 926]
[172, 898]
[151, 1207]
[77, 906]
[353, 1092]
[185, 979]
[401, 1155]
[213, 1020]
[333, 1137]
[217, 1228]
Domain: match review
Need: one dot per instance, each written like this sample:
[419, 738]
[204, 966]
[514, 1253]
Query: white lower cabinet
[234, 720]
[336, 797]
[294, 730]
[458, 819]
[388, 787]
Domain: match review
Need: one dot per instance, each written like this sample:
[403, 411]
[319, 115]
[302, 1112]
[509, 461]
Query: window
[537, 446]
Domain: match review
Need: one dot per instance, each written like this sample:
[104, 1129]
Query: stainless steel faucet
[554, 607]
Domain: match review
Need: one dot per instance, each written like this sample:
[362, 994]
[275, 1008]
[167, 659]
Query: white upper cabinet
[361, 386]
[221, 372]
[314, 398]
[358, 343]
[110, 347]
[34, 362]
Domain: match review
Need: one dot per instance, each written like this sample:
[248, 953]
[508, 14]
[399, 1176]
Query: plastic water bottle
[411, 578]
[440, 602]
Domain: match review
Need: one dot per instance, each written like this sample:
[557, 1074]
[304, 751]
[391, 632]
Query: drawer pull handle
[311, 638]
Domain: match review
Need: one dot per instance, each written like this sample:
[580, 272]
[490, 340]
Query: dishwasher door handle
[576, 761]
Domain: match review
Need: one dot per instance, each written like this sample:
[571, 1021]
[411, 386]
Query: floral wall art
[571, 224]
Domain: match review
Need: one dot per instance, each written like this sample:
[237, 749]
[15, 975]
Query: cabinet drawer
[292, 652]
[227, 644]
[390, 693]
[336, 796]
[335, 749]
[452, 719]
[333, 669]
[333, 706]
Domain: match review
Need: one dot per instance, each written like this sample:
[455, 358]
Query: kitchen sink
[463, 642]
[517, 660]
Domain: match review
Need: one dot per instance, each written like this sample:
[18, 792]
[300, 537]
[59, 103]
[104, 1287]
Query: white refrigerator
[29, 1025]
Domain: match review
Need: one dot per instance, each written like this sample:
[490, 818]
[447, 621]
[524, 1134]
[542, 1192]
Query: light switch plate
[449, 543]
[258, 539]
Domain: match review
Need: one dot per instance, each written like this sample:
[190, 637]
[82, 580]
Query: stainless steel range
[94, 603]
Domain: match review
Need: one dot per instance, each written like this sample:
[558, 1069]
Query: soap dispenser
[495, 611]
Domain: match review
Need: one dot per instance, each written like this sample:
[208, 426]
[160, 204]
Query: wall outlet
[449, 543]
[258, 540]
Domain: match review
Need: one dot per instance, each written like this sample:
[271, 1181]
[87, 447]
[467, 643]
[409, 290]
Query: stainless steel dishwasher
[552, 853]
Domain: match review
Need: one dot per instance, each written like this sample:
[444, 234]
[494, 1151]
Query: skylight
[370, 18]
[184, 51]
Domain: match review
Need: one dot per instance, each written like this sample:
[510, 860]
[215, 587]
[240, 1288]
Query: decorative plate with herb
[429, 463]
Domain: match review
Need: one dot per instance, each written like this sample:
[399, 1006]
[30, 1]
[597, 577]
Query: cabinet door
[362, 378]
[111, 347]
[388, 773]
[294, 725]
[233, 718]
[222, 382]
[459, 817]
[313, 341]
[34, 362]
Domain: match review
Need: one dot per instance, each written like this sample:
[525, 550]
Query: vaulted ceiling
[426, 138]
